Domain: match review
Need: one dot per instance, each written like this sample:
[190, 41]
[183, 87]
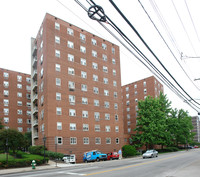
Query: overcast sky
[20, 20]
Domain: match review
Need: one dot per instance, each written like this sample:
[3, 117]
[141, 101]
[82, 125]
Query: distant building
[76, 90]
[196, 129]
[15, 100]
[134, 92]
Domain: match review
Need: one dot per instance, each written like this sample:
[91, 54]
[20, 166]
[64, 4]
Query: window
[19, 94]
[127, 96]
[19, 103]
[42, 99]
[5, 92]
[114, 72]
[84, 100]
[105, 58]
[94, 42]
[28, 121]
[71, 85]
[135, 86]
[108, 140]
[82, 37]
[104, 46]
[82, 49]
[28, 80]
[135, 92]
[19, 78]
[28, 88]
[106, 93]
[128, 103]
[28, 104]
[72, 112]
[107, 128]
[59, 140]
[19, 121]
[57, 67]
[42, 128]
[58, 96]
[70, 31]
[105, 69]
[106, 104]
[129, 130]
[70, 44]
[107, 116]
[115, 83]
[113, 50]
[83, 62]
[95, 77]
[6, 84]
[116, 117]
[96, 102]
[97, 116]
[6, 120]
[20, 129]
[73, 140]
[28, 113]
[115, 106]
[42, 114]
[85, 127]
[94, 53]
[84, 87]
[136, 100]
[117, 140]
[41, 59]
[72, 126]
[19, 111]
[71, 71]
[115, 94]
[129, 123]
[42, 72]
[127, 89]
[41, 44]
[19, 86]
[97, 128]
[6, 102]
[97, 140]
[105, 80]
[58, 81]
[72, 99]
[58, 111]
[85, 140]
[96, 90]
[113, 61]
[144, 83]
[6, 111]
[57, 26]
[116, 128]
[145, 91]
[6, 75]
[85, 114]
[57, 53]
[94, 65]
[57, 39]
[83, 74]
[136, 108]
[128, 109]
[70, 57]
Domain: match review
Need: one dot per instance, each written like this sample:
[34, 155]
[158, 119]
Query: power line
[133, 28]
[167, 44]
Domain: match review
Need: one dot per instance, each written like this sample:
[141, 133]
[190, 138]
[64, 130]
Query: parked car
[196, 146]
[112, 155]
[94, 155]
[150, 153]
[69, 158]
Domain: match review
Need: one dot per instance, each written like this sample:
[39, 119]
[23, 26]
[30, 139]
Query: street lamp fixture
[44, 140]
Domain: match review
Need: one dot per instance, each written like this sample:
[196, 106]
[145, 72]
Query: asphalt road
[178, 164]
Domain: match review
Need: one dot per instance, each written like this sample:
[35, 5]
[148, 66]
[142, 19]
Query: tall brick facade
[76, 90]
[134, 92]
[15, 100]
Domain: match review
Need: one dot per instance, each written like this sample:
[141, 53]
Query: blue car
[94, 155]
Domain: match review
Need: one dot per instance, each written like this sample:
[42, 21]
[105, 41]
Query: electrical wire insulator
[96, 12]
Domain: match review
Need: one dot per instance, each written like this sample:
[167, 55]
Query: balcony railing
[34, 63]
[34, 50]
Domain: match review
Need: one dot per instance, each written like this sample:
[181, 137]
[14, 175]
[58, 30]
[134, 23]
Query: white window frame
[58, 111]
[72, 112]
[85, 114]
[71, 71]
[70, 44]
[83, 49]
[57, 67]
[70, 57]
[83, 62]
[72, 126]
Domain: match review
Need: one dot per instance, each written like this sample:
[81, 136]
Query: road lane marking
[121, 168]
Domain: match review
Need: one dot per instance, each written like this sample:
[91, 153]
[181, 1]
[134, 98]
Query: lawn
[3, 157]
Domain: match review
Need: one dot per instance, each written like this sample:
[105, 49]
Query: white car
[150, 153]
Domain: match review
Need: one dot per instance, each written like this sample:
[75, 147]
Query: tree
[14, 139]
[27, 140]
[1, 124]
[151, 122]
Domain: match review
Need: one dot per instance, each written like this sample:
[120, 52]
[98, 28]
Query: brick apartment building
[134, 92]
[76, 90]
[15, 100]
[196, 129]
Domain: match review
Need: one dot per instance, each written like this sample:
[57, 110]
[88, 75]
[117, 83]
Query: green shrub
[128, 150]
[36, 149]
[53, 155]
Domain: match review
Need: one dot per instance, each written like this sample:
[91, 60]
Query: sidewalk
[50, 165]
